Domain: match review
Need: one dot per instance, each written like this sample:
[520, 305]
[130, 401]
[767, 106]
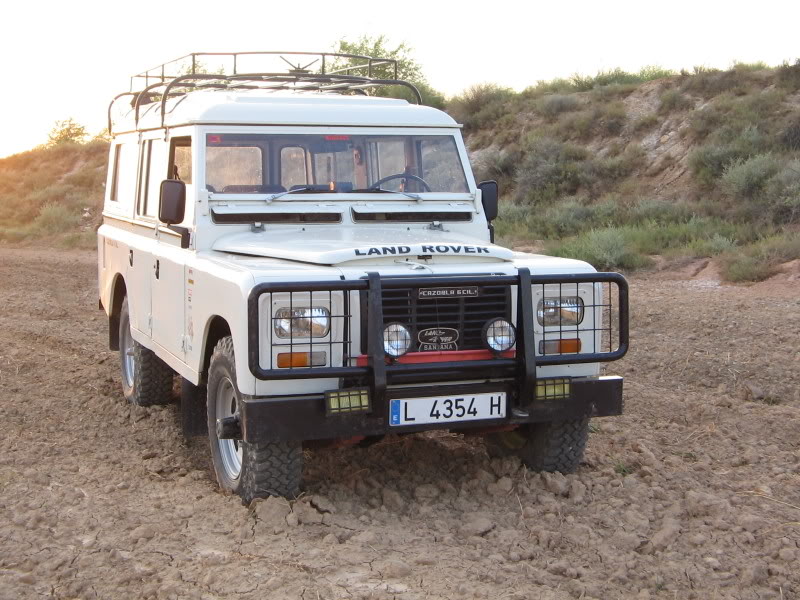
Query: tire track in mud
[692, 494]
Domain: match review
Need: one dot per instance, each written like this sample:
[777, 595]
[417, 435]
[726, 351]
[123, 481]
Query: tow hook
[229, 428]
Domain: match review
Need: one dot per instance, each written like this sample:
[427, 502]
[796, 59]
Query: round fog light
[499, 335]
[396, 339]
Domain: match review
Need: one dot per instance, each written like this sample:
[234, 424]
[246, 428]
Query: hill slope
[621, 166]
[53, 193]
[613, 169]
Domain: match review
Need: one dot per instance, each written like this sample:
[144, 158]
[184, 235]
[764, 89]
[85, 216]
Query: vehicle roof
[265, 107]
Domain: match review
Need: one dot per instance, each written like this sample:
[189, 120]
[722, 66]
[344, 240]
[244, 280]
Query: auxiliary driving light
[396, 339]
[553, 389]
[347, 401]
[499, 335]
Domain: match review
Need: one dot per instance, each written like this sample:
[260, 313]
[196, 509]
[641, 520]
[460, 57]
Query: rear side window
[144, 176]
[126, 161]
[181, 159]
[158, 172]
[115, 174]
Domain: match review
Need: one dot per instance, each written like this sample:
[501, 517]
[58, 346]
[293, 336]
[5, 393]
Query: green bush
[706, 120]
[788, 76]
[713, 246]
[480, 105]
[645, 122]
[783, 194]
[761, 259]
[712, 82]
[603, 249]
[548, 169]
[55, 218]
[554, 104]
[745, 178]
[672, 100]
[790, 136]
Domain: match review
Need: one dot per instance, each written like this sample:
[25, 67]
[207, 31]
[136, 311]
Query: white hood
[333, 246]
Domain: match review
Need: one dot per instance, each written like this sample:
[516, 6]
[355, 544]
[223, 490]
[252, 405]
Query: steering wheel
[378, 183]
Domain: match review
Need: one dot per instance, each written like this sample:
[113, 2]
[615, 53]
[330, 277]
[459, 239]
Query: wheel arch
[118, 292]
[216, 328]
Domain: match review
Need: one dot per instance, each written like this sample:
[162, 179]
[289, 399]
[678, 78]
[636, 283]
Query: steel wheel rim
[230, 450]
[128, 358]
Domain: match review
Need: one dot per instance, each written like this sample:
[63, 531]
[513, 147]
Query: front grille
[467, 314]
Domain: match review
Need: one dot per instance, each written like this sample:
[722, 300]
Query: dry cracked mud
[693, 493]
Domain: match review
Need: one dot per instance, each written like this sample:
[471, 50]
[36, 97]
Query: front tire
[146, 379]
[246, 469]
[550, 447]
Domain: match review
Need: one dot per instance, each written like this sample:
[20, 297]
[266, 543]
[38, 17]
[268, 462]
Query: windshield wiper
[294, 191]
[378, 190]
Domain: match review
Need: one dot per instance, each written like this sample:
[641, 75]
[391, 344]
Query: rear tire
[146, 379]
[246, 469]
[550, 447]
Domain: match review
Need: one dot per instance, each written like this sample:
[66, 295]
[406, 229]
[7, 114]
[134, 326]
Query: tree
[408, 69]
[67, 132]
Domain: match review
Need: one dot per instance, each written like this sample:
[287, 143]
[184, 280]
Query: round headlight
[499, 335]
[396, 339]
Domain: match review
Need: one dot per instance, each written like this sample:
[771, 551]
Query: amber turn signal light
[569, 346]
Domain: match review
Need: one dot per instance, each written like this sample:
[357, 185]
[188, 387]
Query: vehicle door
[169, 287]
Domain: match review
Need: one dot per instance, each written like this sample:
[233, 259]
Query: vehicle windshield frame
[459, 156]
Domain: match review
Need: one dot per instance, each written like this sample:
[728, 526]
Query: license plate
[447, 409]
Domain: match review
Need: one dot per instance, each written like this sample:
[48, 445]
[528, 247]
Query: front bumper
[302, 418]
[282, 418]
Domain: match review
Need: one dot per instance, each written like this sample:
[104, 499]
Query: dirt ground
[693, 493]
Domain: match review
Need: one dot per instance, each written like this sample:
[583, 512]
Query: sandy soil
[694, 493]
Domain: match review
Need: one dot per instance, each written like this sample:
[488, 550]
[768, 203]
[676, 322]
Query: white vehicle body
[182, 300]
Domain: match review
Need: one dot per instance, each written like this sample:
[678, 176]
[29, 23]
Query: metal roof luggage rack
[189, 73]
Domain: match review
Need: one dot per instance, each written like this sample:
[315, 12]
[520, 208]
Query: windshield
[269, 164]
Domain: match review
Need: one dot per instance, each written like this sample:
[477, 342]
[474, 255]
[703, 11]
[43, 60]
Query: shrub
[705, 120]
[611, 119]
[550, 168]
[554, 104]
[603, 249]
[712, 82]
[788, 76]
[739, 267]
[645, 122]
[498, 164]
[67, 132]
[746, 178]
[672, 100]
[790, 136]
[480, 105]
[783, 194]
[713, 246]
[761, 259]
[55, 218]
[708, 162]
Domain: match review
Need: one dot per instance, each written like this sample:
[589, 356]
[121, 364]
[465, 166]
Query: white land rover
[318, 266]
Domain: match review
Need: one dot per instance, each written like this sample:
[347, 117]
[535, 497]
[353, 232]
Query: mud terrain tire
[248, 470]
[146, 379]
[549, 447]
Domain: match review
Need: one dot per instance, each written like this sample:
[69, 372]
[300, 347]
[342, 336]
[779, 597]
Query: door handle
[130, 257]
[157, 267]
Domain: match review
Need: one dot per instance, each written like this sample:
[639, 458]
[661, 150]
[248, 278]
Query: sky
[68, 59]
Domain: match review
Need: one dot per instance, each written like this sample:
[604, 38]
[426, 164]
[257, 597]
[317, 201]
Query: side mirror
[490, 194]
[172, 206]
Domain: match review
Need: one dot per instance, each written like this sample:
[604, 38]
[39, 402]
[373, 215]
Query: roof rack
[191, 72]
